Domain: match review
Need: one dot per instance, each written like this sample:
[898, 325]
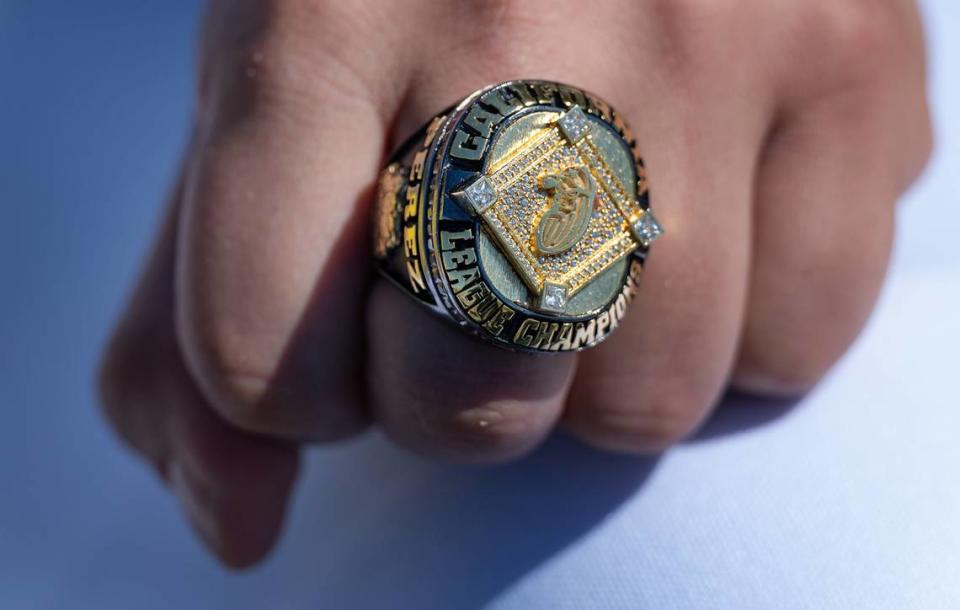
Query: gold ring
[522, 214]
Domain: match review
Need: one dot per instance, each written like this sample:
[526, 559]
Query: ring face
[525, 216]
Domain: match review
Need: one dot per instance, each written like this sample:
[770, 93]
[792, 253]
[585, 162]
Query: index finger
[273, 257]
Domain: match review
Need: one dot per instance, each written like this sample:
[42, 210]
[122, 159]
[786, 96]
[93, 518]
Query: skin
[777, 136]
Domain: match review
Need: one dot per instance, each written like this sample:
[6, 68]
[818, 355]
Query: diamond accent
[554, 297]
[646, 229]
[574, 124]
[481, 194]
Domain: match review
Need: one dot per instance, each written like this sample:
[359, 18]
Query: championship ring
[522, 215]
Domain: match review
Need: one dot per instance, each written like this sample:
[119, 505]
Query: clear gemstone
[480, 194]
[574, 124]
[646, 228]
[554, 297]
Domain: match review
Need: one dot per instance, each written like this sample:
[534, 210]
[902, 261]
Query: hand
[777, 138]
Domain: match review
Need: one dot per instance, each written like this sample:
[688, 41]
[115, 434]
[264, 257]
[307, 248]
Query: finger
[274, 260]
[825, 201]
[434, 389]
[445, 394]
[656, 378]
[234, 487]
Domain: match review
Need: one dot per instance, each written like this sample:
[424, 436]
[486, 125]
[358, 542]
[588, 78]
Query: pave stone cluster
[510, 200]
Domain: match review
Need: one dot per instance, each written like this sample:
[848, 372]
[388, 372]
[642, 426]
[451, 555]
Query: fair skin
[777, 137]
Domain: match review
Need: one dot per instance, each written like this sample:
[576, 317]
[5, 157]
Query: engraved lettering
[467, 146]
[503, 105]
[573, 97]
[522, 336]
[410, 209]
[460, 265]
[482, 120]
[451, 260]
[612, 316]
[603, 324]
[410, 240]
[545, 335]
[485, 308]
[461, 278]
[447, 238]
[554, 329]
[545, 92]
[496, 323]
[564, 338]
[416, 276]
[416, 166]
[472, 294]
[621, 306]
[523, 94]
[585, 335]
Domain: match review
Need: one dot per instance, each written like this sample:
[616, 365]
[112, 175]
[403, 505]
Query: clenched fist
[777, 137]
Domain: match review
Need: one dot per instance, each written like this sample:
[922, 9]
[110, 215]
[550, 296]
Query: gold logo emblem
[571, 198]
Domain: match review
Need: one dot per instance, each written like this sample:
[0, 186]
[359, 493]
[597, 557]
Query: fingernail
[196, 505]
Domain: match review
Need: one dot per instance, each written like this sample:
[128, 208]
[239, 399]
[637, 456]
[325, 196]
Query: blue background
[848, 499]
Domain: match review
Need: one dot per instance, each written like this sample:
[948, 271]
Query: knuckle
[858, 37]
[491, 432]
[652, 425]
[265, 57]
[492, 50]
[696, 37]
[279, 392]
[238, 397]
[779, 377]
[685, 15]
[230, 375]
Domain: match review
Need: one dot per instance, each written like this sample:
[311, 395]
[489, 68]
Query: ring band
[522, 214]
